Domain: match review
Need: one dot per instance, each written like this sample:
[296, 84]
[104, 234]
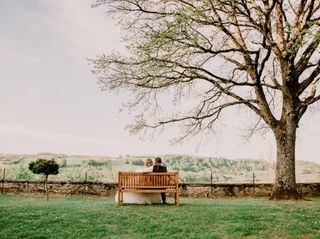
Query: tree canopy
[211, 55]
[42, 166]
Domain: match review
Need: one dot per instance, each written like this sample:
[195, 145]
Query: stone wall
[241, 190]
[59, 187]
[103, 189]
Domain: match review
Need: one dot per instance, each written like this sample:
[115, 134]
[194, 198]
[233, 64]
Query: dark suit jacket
[159, 168]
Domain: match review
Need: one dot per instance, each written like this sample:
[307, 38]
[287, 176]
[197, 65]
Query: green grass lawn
[70, 217]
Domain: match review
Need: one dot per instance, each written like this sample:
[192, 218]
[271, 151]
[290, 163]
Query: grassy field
[69, 217]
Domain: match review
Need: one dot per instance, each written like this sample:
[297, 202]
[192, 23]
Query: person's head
[149, 162]
[158, 160]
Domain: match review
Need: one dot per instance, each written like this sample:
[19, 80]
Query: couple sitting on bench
[146, 198]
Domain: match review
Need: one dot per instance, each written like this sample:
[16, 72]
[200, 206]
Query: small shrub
[138, 162]
[93, 163]
[24, 173]
[45, 167]
[17, 161]
[94, 176]
[205, 165]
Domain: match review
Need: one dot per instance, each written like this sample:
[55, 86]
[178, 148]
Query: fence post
[253, 183]
[3, 178]
[85, 181]
[211, 185]
[27, 189]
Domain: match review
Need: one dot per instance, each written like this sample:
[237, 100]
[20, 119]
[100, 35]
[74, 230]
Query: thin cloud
[53, 136]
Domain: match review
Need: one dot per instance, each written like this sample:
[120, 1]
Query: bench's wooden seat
[141, 182]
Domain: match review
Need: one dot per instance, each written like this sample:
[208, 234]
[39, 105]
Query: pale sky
[50, 102]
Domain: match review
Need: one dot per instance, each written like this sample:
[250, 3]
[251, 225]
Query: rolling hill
[191, 168]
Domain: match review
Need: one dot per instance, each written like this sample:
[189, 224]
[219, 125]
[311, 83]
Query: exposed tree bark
[285, 180]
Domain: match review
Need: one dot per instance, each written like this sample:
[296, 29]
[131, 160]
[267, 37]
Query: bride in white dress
[141, 198]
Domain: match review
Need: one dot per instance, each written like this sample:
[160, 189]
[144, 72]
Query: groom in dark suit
[160, 168]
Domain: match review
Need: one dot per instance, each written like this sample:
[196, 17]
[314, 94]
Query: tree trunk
[285, 179]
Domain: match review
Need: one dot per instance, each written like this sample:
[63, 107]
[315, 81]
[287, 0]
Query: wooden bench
[141, 182]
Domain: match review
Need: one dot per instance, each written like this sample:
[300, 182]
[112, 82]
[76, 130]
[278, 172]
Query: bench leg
[176, 199]
[119, 198]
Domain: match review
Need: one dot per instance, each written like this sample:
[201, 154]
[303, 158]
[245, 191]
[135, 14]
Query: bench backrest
[136, 180]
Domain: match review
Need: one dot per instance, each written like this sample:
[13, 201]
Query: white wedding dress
[140, 198]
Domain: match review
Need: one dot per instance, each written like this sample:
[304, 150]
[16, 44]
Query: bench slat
[146, 186]
[148, 191]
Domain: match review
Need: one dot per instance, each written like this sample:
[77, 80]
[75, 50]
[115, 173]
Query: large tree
[261, 54]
